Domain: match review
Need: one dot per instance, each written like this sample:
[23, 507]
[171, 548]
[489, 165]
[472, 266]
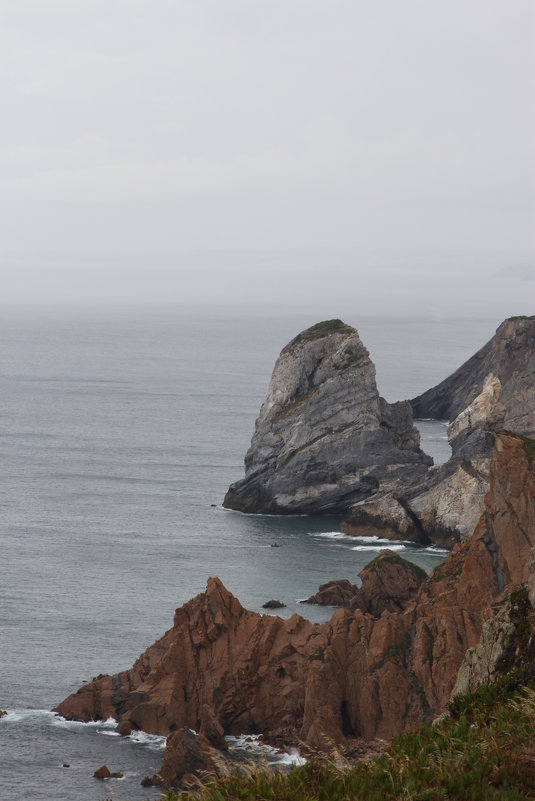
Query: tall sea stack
[324, 438]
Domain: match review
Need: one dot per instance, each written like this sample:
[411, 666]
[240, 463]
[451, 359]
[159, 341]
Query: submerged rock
[324, 437]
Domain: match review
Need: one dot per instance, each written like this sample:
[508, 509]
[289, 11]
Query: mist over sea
[120, 432]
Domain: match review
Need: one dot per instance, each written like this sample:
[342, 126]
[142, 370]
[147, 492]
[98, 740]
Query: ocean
[120, 432]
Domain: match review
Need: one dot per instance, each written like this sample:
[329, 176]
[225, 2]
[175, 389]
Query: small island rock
[274, 604]
[324, 437]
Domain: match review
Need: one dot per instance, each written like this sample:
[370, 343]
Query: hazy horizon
[371, 155]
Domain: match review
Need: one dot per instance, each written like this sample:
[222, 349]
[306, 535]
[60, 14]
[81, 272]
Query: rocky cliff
[363, 674]
[446, 504]
[510, 357]
[324, 437]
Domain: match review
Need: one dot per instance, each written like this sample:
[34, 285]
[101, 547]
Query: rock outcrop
[105, 773]
[324, 437]
[339, 592]
[363, 674]
[445, 506]
[273, 604]
[492, 391]
[506, 642]
[510, 357]
[387, 583]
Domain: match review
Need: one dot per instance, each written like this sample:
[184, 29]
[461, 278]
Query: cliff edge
[368, 672]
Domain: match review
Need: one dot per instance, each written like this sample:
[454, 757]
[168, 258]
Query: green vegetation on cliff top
[318, 331]
[484, 751]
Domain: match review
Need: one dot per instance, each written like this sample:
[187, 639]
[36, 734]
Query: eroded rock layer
[510, 357]
[324, 437]
[362, 674]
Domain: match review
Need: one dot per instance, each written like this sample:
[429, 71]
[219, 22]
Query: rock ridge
[360, 675]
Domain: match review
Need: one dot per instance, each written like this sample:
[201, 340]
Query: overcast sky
[374, 152]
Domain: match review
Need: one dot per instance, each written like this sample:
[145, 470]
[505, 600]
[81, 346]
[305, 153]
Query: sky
[373, 153]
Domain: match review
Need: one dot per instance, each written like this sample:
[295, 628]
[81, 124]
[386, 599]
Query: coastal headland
[391, 658]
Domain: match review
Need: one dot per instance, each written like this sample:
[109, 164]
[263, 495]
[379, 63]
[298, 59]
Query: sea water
[120, 432]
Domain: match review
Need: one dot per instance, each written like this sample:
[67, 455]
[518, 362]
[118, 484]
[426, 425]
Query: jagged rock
[339, 592]
[503, 641]
[324, 437]
[383, 515]
[510, 357]
[492, 390]
[189, 753]
[212, 729]
[358, 675]
[273, 604]
[446, 505]
[2, 713]
[389, 582]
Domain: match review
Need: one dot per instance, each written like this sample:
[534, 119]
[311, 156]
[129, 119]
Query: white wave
[79, 725]
[362, 540]
[377, 547]
[253, 744]
[434, 549]
[331, 535]
[154, 741]
[377, 540]
[292, 758]
[17, 715]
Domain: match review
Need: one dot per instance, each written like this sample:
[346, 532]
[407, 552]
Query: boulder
[104, 773]
[388, 583]
[189, 753]
[339, 592]
[324, 438]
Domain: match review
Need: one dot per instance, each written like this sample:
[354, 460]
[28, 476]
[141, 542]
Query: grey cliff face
[324, 438]
[510, 357]
[492, 391]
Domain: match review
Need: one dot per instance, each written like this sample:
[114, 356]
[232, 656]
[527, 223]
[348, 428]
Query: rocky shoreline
[222, 669]
[390, 658]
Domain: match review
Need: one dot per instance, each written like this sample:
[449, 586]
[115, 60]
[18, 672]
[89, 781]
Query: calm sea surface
[119, 435]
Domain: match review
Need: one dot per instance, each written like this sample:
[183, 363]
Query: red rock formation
[358, 675]
[339, 592]
[389, 582]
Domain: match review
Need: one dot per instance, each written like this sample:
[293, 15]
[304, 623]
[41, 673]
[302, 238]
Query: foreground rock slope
[363, 674]
[324, 437]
